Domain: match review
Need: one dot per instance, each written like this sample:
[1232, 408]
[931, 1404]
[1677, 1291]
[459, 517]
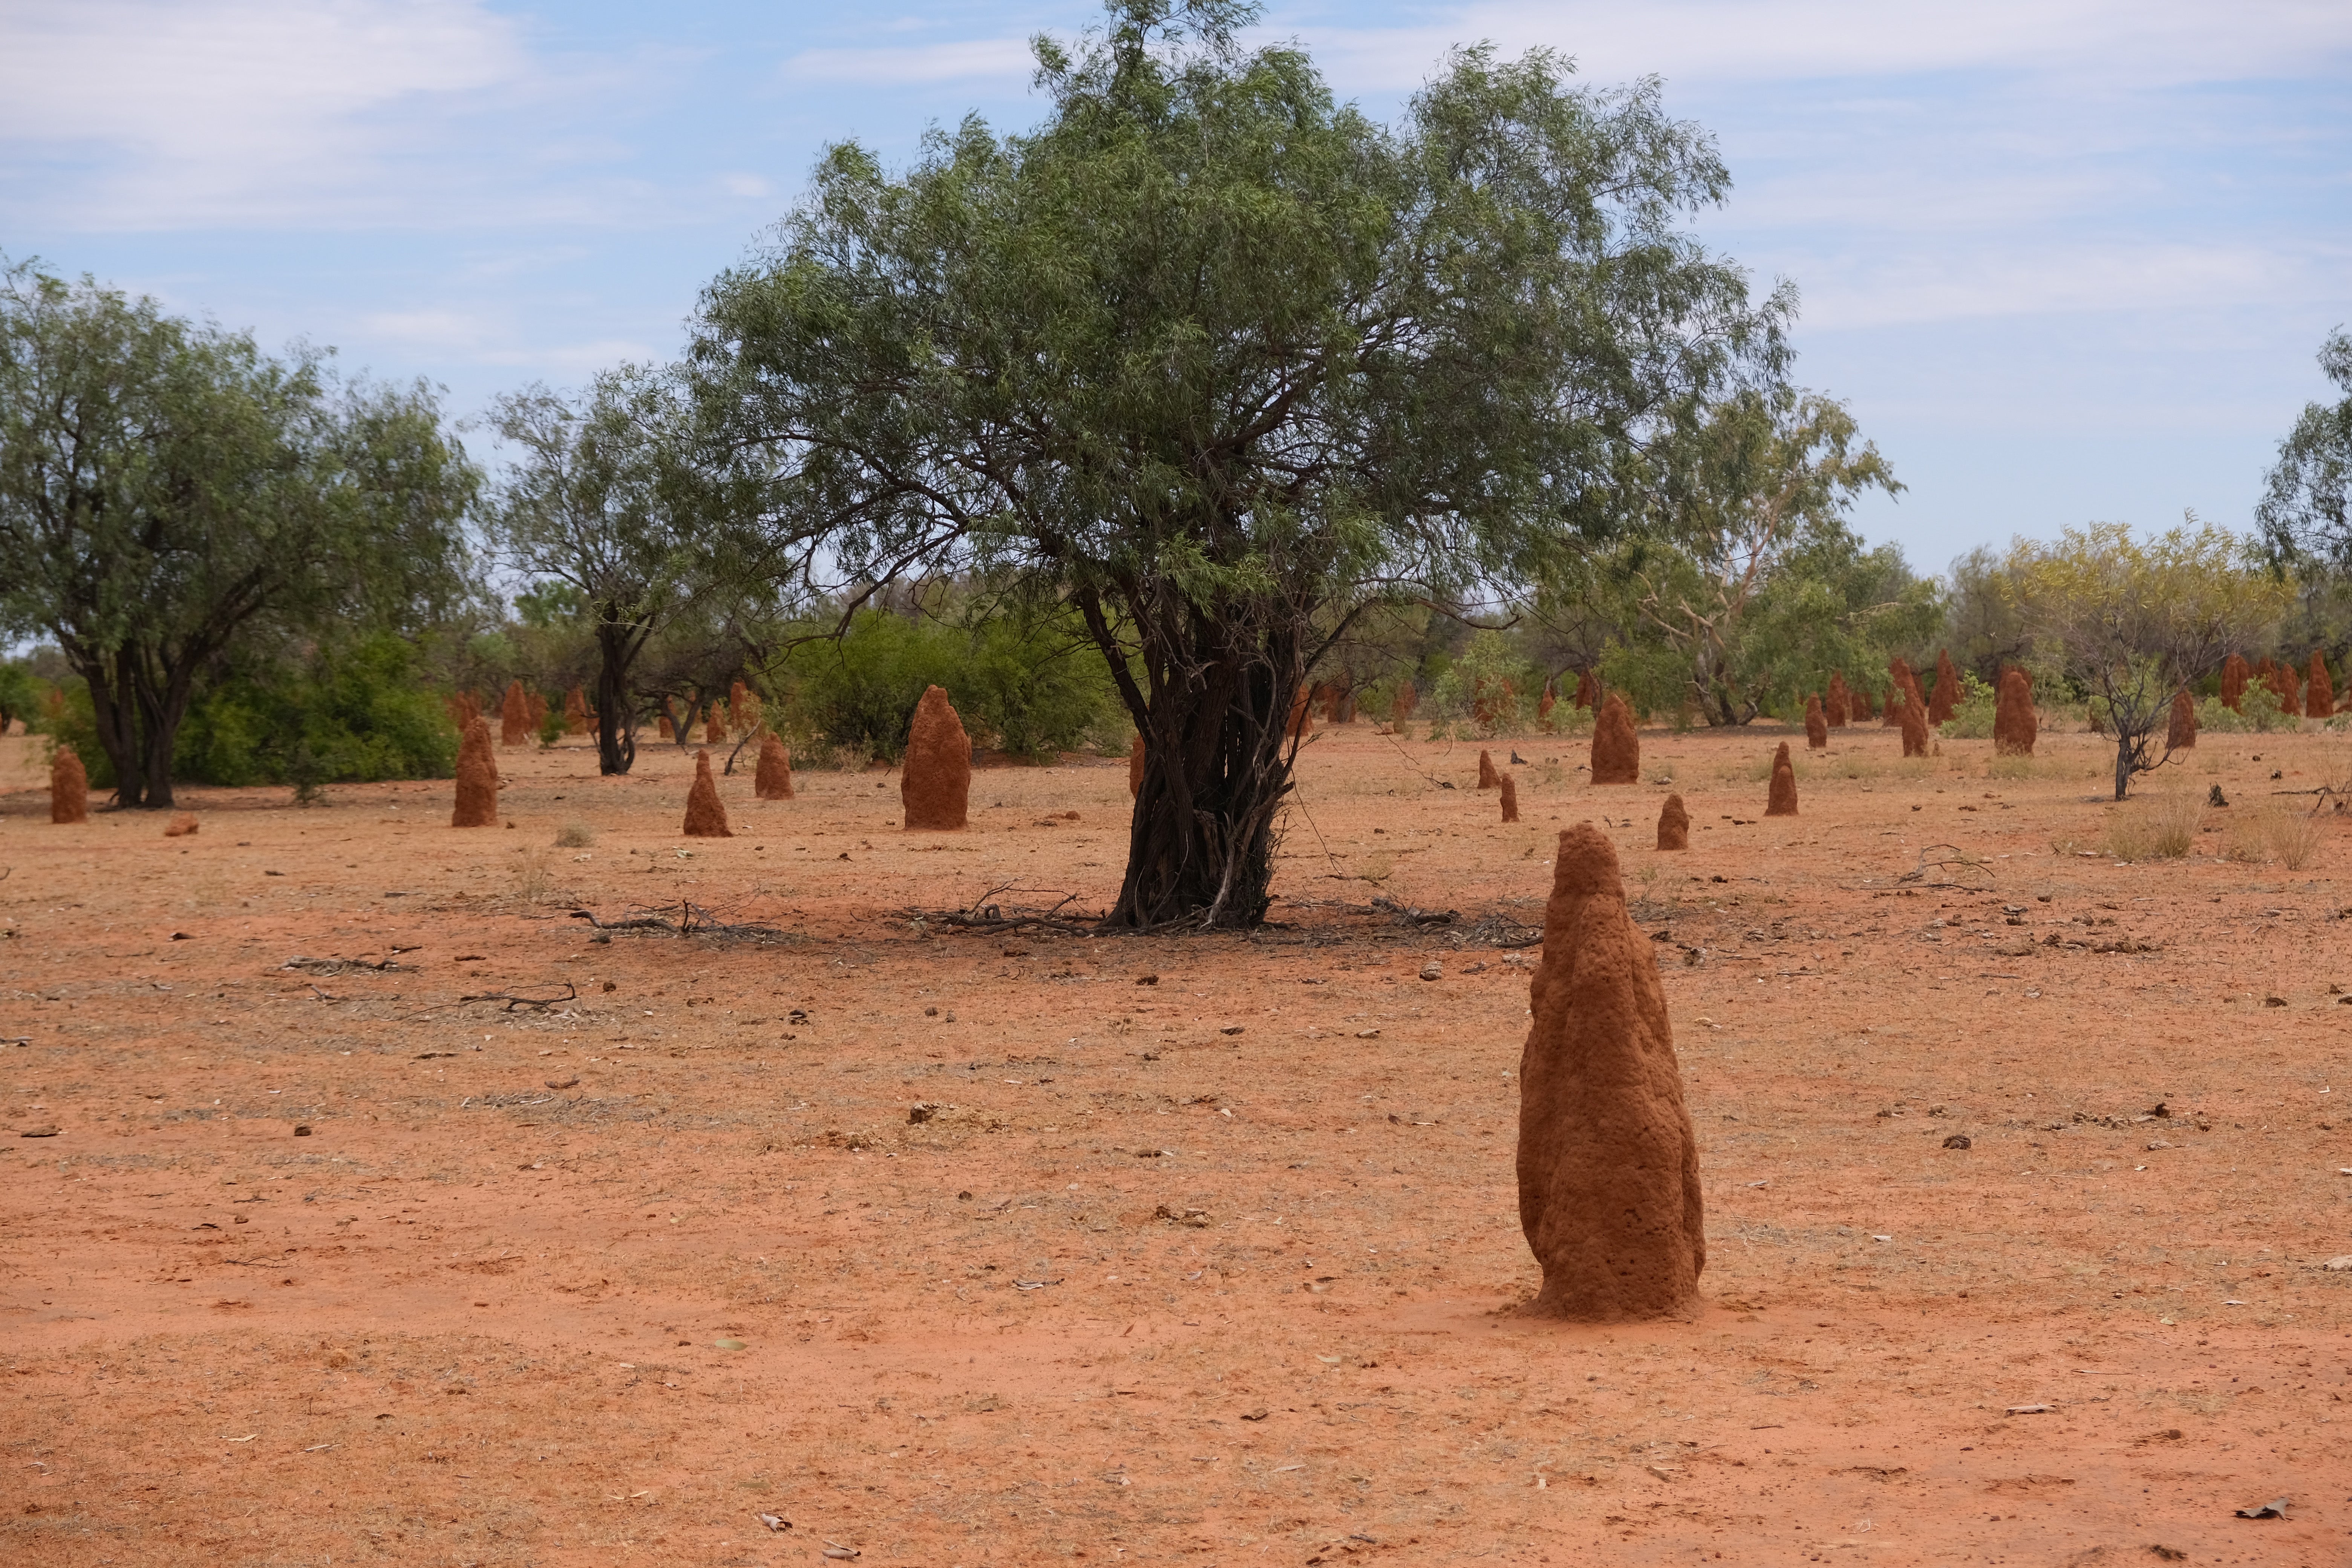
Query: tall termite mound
[1673, 824]
[1858, 703]
[1839, 708]
[1544, 705]
[2181, 732]
[935, 784]
[477, 778]
[1616, 750]
[1135, 768]
[514, 716]
[535, 706]
[1406, 701]
[1487, 777]
[738, 707]
[2014, 726]
[1946, 695]
[1817, 725]
[1781, 800]
[1588, 691]
[1914, 725]
[1302, 718]
[1906, 680]
[2234, 674]
[1608, 1167]
[714, 728]
[706, 814]
[1510, 788]
[2287, 688]
[575, 712]
[68, 787]
[2319, 697]
[772, 780]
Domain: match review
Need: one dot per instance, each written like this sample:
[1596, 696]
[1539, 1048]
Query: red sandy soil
[1266, 1204]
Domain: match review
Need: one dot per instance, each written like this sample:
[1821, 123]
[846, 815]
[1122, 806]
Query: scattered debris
[512, 1001]
[774, 1521]
[2030, 1409]
[2274, 1508]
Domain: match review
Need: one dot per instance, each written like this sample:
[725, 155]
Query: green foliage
[1024, 686]
[1972, 715]
[1218, 361]
[166, 489]
[2306, 512]
[2258, 713]
[350, 713]
[550, 726]
[22, 696]
[2131, 621]
[1746, 570]
[1489, 691]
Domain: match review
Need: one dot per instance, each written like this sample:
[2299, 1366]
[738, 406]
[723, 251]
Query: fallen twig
[571, 994]
[1410, 916]
[1955, 857]
[326, 968]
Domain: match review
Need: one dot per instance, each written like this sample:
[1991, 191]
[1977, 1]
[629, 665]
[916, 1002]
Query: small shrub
[1972, 716]
[574, 835]
[2293, 836]
[551, 728]
[2257, 713]
[534, 878]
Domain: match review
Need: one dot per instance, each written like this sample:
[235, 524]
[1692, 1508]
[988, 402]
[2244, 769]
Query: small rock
[921, 1112]
[2340, 1265]
[727, 1344]
[563, 1083]
[1147, 980]
[301, 1129]
[1433, 969]
[1959, 1140]
[1230, 1029]
[44, 1131]
[2274, 1001]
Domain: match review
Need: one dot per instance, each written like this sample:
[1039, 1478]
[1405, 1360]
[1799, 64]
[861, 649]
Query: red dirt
[735, 1162]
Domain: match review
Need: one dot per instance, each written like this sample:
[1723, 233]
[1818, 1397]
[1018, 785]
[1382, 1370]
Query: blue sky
[2066, 261]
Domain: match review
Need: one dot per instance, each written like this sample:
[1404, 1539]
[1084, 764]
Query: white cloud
[1006, 58]
[189, 108]
[2143, 41]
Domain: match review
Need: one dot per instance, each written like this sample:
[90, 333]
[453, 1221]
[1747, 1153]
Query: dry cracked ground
[364, 1203]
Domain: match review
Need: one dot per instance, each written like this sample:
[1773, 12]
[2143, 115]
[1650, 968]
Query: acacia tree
[2304, 510]
[603, 498]
[1222, 363]
[165, 485]
[1741, 569]
[2133, 623]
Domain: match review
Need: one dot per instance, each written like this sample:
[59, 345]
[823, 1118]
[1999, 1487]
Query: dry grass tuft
[574, 835]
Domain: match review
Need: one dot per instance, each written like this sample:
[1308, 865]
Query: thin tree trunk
[616, 728]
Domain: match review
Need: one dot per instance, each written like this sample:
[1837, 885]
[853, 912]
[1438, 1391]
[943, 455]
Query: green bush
[1024, 685]
[1972, 715]
[2258, 713]
[351, 713]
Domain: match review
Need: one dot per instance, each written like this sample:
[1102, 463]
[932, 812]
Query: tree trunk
[138, 724]
[617, 728]
[1217, 764]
